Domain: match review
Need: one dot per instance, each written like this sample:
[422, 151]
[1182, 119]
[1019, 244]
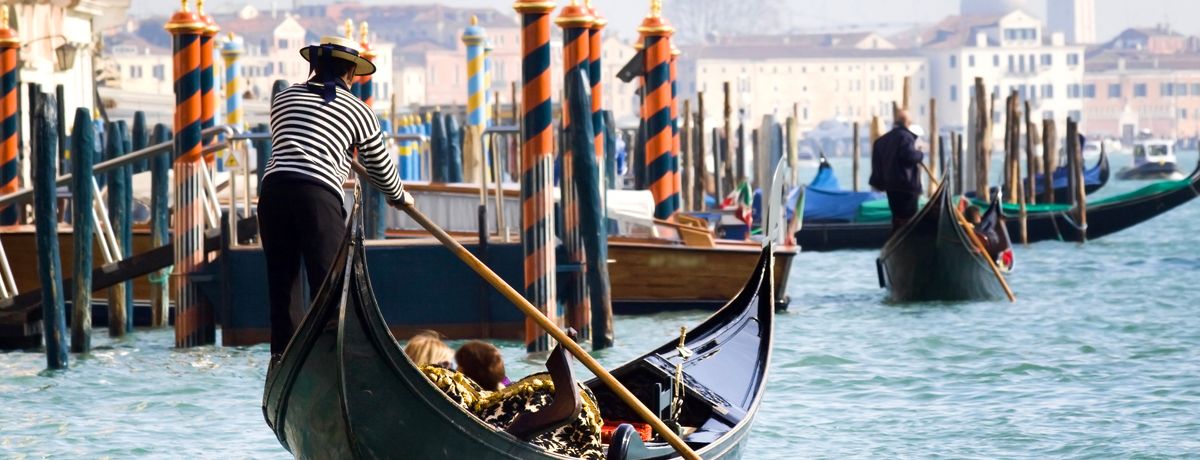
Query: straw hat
[342, 48]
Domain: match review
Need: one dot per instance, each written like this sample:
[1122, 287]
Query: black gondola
[1044, 222]
[935, 257]
[345, 389]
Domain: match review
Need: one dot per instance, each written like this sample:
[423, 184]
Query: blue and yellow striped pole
[188, 232]
[576, 22]
[537, 168]
[474, 37]
[487, 83]
[208, 93]
[232, 51]
[10, 115]
[656, 111]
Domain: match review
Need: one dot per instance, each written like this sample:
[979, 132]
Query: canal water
[1098, 358]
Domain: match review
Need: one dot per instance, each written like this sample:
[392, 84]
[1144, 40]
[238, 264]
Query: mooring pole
[208, 80]
[934, 141]
[576, 22]
[723, 164]
[855, 155]
[659, 141]
[10, 45]
[231, 52]
[687, 156]
[537, 168]
[596, 77]
[54, 321]
[1031, 165]
[160, 228]
[121, 187]
[1079, 193]
[984, 141]
[676, 149]
[116, 212]
[188, 229]
[699, 173]
[83, 156]
[375, 203]
[1049, 159]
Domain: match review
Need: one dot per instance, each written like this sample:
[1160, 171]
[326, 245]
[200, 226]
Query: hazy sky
[1112, 16]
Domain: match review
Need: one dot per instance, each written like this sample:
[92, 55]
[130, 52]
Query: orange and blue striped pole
[366, 92]
[208, 94]
[188, 233]
[576, 22]
[10, 115]
[537, 168]
[677, 190]
[595, 76]
[656, 112]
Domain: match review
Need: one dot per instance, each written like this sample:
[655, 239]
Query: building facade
[1010, 52]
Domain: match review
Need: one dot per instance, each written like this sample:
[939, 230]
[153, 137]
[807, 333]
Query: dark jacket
[895, 162]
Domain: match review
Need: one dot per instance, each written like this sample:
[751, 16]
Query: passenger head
[427, 349]
[481, 361]
[902, 118]
[972, 214]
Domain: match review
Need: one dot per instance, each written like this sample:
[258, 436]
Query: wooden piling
[1030, 158]
[699, 170]
[60, 111]
[727, 152]
[934, 157]
[1011, 143]
[45, 152]
[1049, 159]
[160, 225]
[123, 216]
[791, 137]
[984, 142]
[687, 157]
[855, 154]
[1080, 191]
[83, 156]
[139, 138]
[907, 96]
[116, 212]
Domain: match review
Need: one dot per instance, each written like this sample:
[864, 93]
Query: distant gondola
[1044, 222]
[345, 389]
[935, 256]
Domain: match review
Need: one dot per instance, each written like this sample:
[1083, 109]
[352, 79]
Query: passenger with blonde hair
[427, 349]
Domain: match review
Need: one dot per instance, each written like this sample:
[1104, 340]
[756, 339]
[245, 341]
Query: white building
[1010, 52]
[1076, 19]
[846, 77]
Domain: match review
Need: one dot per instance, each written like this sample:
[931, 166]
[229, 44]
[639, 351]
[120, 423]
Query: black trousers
[903, 206]
[300, 221]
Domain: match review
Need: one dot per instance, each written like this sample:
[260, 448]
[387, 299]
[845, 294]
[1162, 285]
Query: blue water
[1098, 358]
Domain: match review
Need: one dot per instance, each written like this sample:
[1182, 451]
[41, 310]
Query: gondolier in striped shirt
[316, 129]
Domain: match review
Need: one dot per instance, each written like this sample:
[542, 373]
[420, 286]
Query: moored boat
[345, 389]
[938, 256]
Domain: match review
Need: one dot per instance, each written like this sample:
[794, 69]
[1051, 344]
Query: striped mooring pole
[208, 80]
[192, 318]
[474, 38]
[657, 111]
[677, 151]
[537, 168]
[576, 22]
[601, 301]
[232, 52]
[10, 115]
[375, 203]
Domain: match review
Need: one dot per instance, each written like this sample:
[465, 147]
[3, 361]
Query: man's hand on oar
[406, 199]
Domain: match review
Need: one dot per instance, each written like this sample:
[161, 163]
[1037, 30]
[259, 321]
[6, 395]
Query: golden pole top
[654, 24]
[4, 15]
[362, 32]
[183, 6]
[474, 20]
[348, 28]
[655, 9]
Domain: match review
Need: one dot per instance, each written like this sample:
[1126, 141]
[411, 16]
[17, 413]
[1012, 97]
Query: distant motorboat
[1153, 159]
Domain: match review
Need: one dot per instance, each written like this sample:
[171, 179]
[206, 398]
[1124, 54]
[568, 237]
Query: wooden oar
[513, 296]
[962, 221]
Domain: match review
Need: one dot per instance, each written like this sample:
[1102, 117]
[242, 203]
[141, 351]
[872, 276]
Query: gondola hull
[345, 389]
[933, 258]
[1104, 218]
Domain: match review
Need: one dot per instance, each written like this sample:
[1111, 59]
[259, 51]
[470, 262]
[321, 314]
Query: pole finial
[362, 32]
[348, 28]
[474, 20]
[199, 7]
[656, 8]
[4, 16]
[183, 6]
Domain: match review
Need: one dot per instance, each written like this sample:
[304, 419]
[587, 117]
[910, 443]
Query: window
[160, 72]
[971, 60]
[1089, 91]
[995, 60]
[1012, 63]
[1181, 89]
[1183, 114]
[1114, 90]
[1047, 59]
[1073, 59]
[1139, 90]
[282, 44]
[1073, 91]
[1075, 115]
[1048, 91]
[1196, 89]
[1166, 89]
[135, 71]
[953, 61]
[953, 92]
[1021, 63]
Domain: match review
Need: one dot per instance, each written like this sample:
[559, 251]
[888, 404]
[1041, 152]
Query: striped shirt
[316, 139]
